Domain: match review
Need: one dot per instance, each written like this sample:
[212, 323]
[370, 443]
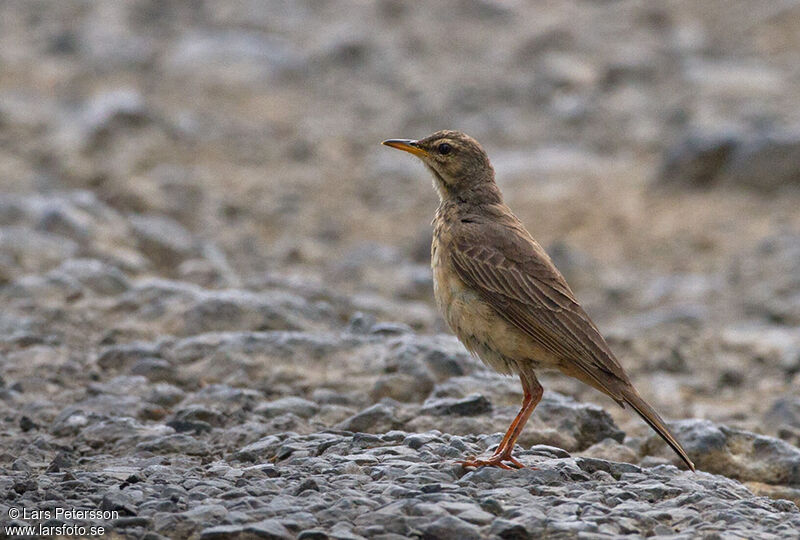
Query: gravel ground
[217, 311]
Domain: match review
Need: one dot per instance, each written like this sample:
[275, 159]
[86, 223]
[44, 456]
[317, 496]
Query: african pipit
[502, 296]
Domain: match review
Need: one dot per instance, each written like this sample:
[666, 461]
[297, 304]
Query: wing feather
[516, 277]
[512, 272]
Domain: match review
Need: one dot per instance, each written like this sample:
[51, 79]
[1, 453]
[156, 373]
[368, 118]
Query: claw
[514, 461]
[478, 463]
[494, 461]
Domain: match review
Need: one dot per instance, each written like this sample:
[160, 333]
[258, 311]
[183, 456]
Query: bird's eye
[444, 148]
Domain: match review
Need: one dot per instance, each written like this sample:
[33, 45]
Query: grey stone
[271, 529]
[118, 105]
[360, 323]
[450, 528]
[611, 450]
[698, 159]
[36, 251]
[118, 501]
[378, 418]
[247, 57]
[165, 241]
[509, 530]
[390, 329]
[588, 424]
[259, 450]
[468, 406]
[765, 162]
[402, 387]
[97, 276]
[737, 453]
[175, 444]
[165, 394]
[118, 432]
[69, 422]
[291, 404]
[759, 161]
[438, 356]
[313, 534]
[118, 357]
[155, 369]
[784, 411]
[196, 418]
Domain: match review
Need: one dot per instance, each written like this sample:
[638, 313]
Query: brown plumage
[501, 294]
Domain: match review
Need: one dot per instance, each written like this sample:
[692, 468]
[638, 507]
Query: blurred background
[652, 148]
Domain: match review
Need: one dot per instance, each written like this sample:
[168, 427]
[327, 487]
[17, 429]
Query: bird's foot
[497, 460]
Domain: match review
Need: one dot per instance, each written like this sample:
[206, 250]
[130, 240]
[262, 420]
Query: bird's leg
[532, 395]
[526, 401]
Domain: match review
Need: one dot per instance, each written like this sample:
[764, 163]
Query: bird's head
[457, 161]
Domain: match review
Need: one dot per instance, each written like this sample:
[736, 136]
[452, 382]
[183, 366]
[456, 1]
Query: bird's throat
[441, 187]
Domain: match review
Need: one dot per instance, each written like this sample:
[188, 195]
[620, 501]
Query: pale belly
[498, 343]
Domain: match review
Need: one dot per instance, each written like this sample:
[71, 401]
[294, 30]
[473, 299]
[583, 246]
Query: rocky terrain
[217, 313]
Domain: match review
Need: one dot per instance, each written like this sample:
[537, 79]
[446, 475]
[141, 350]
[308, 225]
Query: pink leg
[532, 395]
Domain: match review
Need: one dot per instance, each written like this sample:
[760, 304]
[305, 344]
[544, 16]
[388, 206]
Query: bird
[502, 296]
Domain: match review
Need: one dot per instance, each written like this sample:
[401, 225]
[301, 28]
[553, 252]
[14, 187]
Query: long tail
[649, 415]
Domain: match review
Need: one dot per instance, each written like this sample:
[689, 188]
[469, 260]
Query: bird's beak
[407, 145]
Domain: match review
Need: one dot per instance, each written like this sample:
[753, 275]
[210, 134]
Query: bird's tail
[649, 415]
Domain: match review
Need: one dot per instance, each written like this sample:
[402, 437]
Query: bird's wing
[517, 278]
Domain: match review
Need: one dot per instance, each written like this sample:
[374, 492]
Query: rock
[503, 528]
[165, 394]
[402, 387]
[360, 323]
[698, 159]
[588, 424]
[118, 433]
[119, 357]
[175, 444]
[185, 309]
[450, 528]
[735, 453]
[439, 357]
[759, 161]
[244, 57]
[766, 162]
[294, 405]
[260, 450]
[35, 251]
[118, 501]
[155, 369]
[65, 220]
[69, 422]
[200, 272]
[50, 289]
[390, 329]
[784, 411]
[775, 492]
[199, 415]
[163, 240]
[97, 276]
[118, 106]
[468, 406]
[268, 528]
[378, 418]
[611, 450]
[192, 519]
